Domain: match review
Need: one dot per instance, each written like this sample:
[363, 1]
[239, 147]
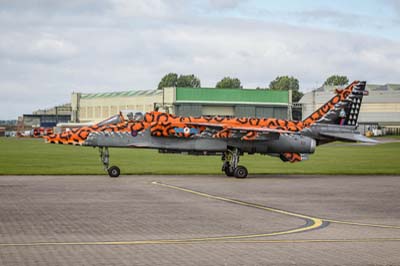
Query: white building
[94, 107]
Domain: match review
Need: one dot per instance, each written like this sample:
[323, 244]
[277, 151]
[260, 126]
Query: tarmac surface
[199, 220]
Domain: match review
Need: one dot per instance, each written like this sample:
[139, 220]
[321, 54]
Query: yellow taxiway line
[362, 224]
[188, 241]
[316, 220]
[312, 224]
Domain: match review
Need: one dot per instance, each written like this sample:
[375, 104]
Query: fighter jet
[230, 137]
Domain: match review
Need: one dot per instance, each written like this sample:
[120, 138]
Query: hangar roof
[120, 94]
[205, 95]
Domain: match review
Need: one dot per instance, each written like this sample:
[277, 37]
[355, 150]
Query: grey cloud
[332, 16]
[224, 4]
[24, 46]
[42, 64]
[56, 6]
[154, 9]
[394, 4]
[328, 18]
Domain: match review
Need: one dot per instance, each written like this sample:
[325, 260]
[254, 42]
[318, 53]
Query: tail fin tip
[343, 109]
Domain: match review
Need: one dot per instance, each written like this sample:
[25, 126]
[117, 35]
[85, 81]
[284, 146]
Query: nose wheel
[230, 165]
[112, 171]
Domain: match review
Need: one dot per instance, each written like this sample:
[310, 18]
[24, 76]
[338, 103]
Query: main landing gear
[230, 165]
[112, 171]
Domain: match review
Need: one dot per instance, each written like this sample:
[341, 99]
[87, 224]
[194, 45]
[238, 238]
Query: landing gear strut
[112, 171]
[230, 165]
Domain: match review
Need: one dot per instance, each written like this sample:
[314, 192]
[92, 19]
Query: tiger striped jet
[291, 141]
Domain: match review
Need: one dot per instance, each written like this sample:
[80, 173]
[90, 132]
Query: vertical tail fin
[343, 109]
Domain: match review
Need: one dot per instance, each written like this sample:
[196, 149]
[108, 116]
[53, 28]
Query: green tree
[190, 81]
[287, 83]
[336, 80]
[228, 82]
[168, 80]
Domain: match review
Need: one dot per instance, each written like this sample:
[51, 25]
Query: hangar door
[188, 109]
[217, 110]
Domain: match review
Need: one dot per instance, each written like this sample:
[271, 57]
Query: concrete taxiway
[199, 220]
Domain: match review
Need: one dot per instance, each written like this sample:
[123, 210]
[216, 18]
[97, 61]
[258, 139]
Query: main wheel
[113, 171]
[240, 172]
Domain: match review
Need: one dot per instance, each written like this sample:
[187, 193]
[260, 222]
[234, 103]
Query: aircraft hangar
[381, 108]
[94, 107]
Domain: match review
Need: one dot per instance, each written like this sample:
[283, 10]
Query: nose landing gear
[112, 171]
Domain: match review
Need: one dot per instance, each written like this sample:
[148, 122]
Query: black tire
[114, 171]
[240, 172]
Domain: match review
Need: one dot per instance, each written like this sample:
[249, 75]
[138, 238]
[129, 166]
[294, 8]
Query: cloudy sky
[50, 48]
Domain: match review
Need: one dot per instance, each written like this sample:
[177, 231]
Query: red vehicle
[40, 132]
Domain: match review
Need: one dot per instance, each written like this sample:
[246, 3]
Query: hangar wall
[231, 102]
[94, 107]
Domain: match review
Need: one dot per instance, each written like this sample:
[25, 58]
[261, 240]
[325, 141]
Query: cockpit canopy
[135, 116]
[123, 116]
[115, 119]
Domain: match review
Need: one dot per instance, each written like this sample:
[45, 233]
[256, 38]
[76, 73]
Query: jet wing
[242, 132]
[242, 128]
[263, 129]
[348, 136]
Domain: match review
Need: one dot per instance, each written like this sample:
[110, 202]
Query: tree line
[279, 83]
